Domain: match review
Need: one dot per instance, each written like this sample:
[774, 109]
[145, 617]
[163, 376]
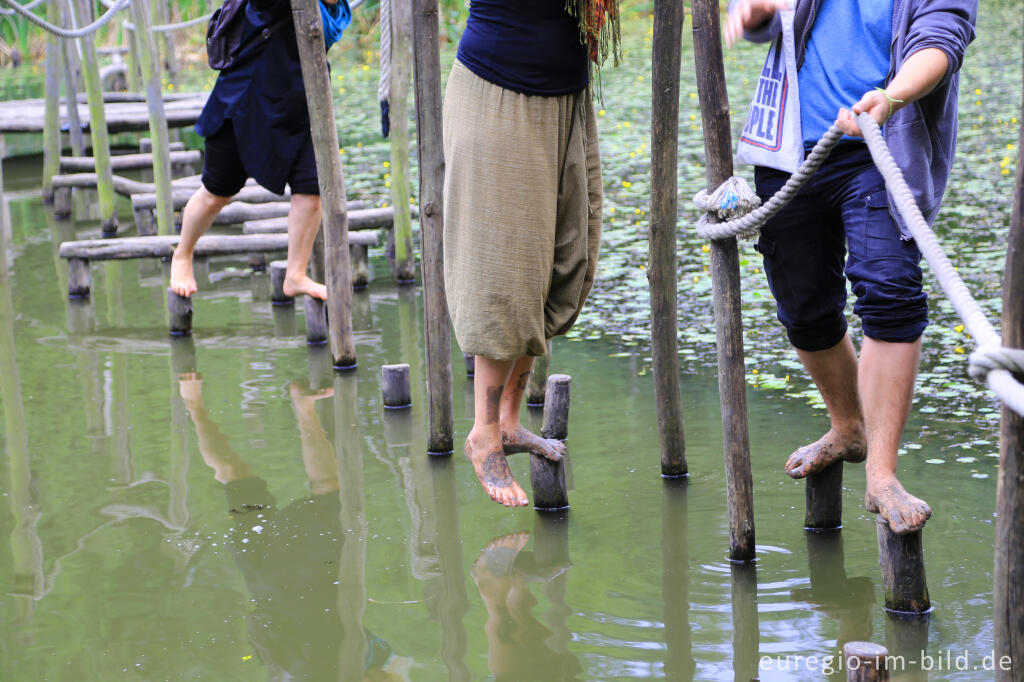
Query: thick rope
[167, 28]
[63, 32]
[27, 6]
[384, 85]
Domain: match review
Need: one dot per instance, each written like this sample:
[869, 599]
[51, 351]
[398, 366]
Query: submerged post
[556, 407]
[1008, 602]
[316, 321]
[903, 579]
[395, 387]
[725, 275]
[661, 275]
[179, 314]
[865, 662]
[149, 61]
[51, 125]
[404, 268]
[309, 33]
[431, 162]
[97, 118]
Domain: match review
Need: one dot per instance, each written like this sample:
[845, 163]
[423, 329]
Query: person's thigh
[884, 270]
[803, 255]
[223, 172]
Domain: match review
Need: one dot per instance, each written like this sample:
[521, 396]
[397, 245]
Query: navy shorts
[224, 173]
[843, 206]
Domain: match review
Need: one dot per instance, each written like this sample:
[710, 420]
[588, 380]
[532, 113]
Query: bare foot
[830, 448]
[190, 386]
[519, 439]
[491, 468]
[304, 286]
[183, 282]
[904, 512]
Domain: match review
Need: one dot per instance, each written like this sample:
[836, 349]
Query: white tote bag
[771, 136]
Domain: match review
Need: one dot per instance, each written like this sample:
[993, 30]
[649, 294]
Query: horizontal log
[124, 113]
[252, 195]
[163, 246]
[358, 219]
[126, 161]
[122, 185]
[146, 146]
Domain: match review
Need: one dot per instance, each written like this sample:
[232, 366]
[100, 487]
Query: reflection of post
[51, 117]
[119, 428]
[906, 635]
[183, 363]
[746, 638]
[352, 565]
[453, 602]
[675, 581]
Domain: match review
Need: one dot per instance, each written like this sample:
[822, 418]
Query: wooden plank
[310, 38]
[665, 58]
[725, 275]
[427, 56]
[127, 161]
[26, 116]
[363, 219]
[163, 246]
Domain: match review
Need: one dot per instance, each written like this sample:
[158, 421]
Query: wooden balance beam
[86, 164]
[80, 254]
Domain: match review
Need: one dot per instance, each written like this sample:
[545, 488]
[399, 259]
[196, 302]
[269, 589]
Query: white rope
[384, 85]
[167, 28]
[28, 5]
[63, 32]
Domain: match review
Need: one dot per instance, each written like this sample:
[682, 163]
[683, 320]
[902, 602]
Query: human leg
[303, 223]
[514, 436]
[196, 219]
[483, 445]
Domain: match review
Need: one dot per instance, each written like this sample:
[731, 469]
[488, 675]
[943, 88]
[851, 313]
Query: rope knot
[733, 199]
[988, 358]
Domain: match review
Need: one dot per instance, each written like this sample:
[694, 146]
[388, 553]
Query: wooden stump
[62, 202]
[145, 221]
[278, 269]
[258, 262]
[179, 312]
[316, 321]
[360, 265]
[395, 387]
[79, 278]
[556, 407]
[865, 662]
[470, 361]
[824, 499]
[547, 478]
[538, 383]
[903, 578]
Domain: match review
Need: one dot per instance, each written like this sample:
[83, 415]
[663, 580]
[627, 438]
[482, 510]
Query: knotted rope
[384, 85]
[990, 361]
[63, 32]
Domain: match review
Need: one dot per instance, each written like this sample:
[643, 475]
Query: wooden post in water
[309, 32]
[51, 125]
[316, 321]
[179, 313]
[404, 268]
[149, 61]
[665, 59]
[823, 494]
[902, 561]
[1008, 603]
[97, 118]
[865, 662]
[431, 166]
[278, 269]
[556, 407]
[395, 387]
[725, 275]
[537, 386]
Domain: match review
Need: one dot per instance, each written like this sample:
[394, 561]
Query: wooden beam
[725, 275]
[426, 50]
[85, 164]
[404, 268]
[364, 219]
[51, 125]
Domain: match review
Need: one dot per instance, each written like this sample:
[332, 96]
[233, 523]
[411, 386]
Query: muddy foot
[830, 448]
[519, 439]
[495, 476]
[304, 286]
[904, 512]
[183, 282]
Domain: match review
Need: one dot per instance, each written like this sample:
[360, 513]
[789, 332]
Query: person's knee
[209, 200]
[306, 203]
[813, 335]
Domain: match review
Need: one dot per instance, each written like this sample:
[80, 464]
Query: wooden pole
[725, 275]
[823, 492]
[168, 64]
[179, 313]
[309, 33]
[75, 134]
[431, 166]
[903, 578]
[51, 126]
[865, 662]
[149, 61]
[316, 321]
[1008, 603]
[404, 267]
[97, 119]
[278, 269]
[133, 74]
[556, 407]
[661, 275]
[395, 386]
[547, 479]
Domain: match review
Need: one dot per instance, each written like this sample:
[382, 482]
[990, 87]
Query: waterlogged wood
[83, 12]
[310, 37]
[427, 57]
[79, 278]
[51, 125]
[149, 62]
[537, 385]
[62, 202]
[823, 493]
[163, 246]
[358, 220]
[278, 270]
[179, 314]
[395, 387]
[316, 321]
[360, 258]
[126, 161]
[404, 267]
[902, 561]
[865, 662]
[556, 407]
[661, 275]
[725, 275]
[1008, 604]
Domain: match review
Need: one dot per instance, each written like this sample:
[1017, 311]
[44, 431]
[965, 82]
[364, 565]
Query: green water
[350, 550]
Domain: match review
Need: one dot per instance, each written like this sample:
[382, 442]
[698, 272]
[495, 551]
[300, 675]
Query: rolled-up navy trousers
[839, 228]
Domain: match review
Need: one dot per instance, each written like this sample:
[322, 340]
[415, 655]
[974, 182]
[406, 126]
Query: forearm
[918, 76]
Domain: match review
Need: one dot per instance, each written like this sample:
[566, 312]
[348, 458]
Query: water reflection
[675, 581]
[519, 646]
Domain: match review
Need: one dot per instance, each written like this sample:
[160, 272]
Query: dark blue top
[264, 97]
[530, 46]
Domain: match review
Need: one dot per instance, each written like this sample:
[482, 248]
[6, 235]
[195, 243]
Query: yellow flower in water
[637, 211]
[387, 183]
[366, 67]
[625, 124]
[601, 113]
[959, 328]
[611, 210]
[705, 248]
[627, 183]
[387, 164]
[1012, 146]
[696, 278]
[632, 154]
[1006, 171]
[693, 95]
[246, 658]
[787, 377]
[755, 371]
[977, 91]
[958, 350]
[1013, 120]
[693, 117]
[387, 175]
[977, 103]
[341, 151]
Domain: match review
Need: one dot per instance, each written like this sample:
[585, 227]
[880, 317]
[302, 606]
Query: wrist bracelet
[892, 100]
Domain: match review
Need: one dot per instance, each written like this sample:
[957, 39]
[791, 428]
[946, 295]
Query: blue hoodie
[922, 135]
